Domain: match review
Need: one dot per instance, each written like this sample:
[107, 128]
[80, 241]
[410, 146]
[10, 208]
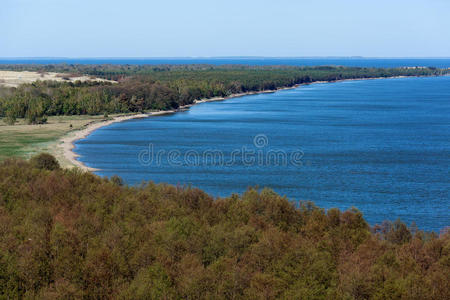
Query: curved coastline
[67, 143]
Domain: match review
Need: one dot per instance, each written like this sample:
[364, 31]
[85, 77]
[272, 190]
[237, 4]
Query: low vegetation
[23, 140]
[65, 234]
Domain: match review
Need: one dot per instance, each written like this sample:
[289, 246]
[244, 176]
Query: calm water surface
[382, 146]
[258, 61]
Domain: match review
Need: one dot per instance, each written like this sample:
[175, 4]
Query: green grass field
[22, 140]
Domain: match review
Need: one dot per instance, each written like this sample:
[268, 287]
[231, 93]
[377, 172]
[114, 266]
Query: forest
[67, 234]
[143, 88]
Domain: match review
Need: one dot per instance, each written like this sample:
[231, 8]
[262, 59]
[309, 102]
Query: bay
[382, 146]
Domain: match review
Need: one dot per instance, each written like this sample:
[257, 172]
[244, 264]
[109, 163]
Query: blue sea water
[382, 146]
[350, 61]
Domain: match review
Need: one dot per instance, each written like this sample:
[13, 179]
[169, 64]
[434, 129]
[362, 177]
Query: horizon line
[221, 57]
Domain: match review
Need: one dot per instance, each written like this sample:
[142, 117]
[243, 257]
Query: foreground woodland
[66, 234]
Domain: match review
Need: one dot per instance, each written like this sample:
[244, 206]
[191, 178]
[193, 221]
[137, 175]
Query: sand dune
[14, 79]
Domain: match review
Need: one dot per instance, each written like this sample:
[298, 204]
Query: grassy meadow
[24, 140]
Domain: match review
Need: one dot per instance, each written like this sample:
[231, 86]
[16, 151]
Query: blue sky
[169, 28]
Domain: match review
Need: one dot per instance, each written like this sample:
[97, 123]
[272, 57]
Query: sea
[260, 61]
[381, 146]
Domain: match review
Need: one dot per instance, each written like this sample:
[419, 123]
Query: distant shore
[67, 142]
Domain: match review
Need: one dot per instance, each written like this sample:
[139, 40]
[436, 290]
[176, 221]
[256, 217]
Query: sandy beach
[66, 143]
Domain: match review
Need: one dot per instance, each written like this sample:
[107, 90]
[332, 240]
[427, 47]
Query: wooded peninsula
[145, 87]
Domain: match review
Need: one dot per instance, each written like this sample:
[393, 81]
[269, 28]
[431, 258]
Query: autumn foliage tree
[66, 234]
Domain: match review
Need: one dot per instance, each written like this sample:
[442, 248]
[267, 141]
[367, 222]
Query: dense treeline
[165, 87]
[66, 234]
[117, 71]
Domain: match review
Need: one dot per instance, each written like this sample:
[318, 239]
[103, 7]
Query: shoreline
[67, 142]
